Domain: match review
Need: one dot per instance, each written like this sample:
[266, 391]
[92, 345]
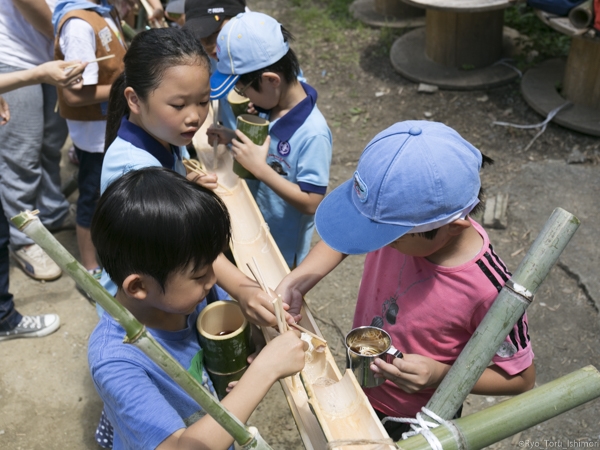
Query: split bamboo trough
[330, 409]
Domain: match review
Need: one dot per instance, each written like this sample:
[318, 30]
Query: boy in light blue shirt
[292, 166]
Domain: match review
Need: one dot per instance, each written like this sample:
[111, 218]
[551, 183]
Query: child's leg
[90, 168]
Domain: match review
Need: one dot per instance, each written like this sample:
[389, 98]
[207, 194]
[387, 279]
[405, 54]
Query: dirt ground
[47, 400]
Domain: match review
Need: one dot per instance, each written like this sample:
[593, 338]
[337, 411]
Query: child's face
[184, 290]
[177, 108]
[210, 43]
[267, 98]
[416, 245]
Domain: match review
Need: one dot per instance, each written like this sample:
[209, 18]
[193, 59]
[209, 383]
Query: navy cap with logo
[204, 17]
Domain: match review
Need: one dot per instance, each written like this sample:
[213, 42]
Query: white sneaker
[36, 263]
[33, 326]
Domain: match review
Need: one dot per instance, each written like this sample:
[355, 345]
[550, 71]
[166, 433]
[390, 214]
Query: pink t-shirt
[432, 310]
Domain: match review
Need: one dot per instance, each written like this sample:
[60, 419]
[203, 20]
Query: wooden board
[326, 406]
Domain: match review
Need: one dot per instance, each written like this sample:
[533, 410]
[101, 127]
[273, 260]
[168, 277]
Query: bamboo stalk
[582, 15]
[136, 333]
[508, 307]
[519, 413]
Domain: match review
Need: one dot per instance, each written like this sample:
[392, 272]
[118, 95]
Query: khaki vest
[107, 43]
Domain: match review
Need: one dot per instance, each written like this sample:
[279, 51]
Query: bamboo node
[520, 290]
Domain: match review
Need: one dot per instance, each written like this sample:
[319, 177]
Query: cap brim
[346, 230]
[201, 27]
[221, 84]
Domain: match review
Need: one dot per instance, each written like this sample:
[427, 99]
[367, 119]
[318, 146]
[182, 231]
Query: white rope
[543, 124]
[505, 62]
[421, 426]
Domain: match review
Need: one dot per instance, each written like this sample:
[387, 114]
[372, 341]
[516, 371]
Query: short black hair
[288, 66]
[154, 221]
[479, 207]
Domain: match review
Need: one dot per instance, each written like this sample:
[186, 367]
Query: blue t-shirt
[135, 149]
[143, 404]
[300, 151]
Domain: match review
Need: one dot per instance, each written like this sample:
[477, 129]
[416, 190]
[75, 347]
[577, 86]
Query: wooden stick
[92, 61]
[216, 142]
[194, 166]
[310, 333]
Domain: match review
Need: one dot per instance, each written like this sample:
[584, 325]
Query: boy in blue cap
[430, 273]
[292, 166]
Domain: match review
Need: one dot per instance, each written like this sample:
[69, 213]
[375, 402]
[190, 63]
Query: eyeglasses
[242, 91]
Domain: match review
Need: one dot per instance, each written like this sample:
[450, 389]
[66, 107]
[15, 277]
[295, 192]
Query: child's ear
[458, 226]
[134, 286]
[133, 101]
[271, 78]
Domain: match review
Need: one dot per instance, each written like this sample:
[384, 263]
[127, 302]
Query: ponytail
[117, 108]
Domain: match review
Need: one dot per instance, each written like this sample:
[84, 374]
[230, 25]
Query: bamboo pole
[519, 413]
[137, 334]
[509, 306]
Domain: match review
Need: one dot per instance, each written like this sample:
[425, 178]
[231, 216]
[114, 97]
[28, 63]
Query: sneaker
[96, 273]
[36, 263]
[68, 222]
[33, 326]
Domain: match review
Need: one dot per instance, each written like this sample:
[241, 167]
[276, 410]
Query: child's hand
[411, 373]
[4, 111]
[257, 306]
[251, 109]
[66, 74]
[223, 134]
[292, 299]
[284, 355]
[253, 157]
[207, 180]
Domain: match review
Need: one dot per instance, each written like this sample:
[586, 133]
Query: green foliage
[543, 40]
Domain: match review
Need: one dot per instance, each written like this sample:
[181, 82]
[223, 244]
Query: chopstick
[310, 333]
[195, 167]
[215, 106]
[92, 61]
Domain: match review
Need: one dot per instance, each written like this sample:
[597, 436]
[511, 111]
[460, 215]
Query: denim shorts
[88, 180]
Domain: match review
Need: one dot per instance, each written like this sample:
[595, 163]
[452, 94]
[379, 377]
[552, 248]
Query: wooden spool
[459, 47]
[387, 13]
[464, 40]
[581, 82]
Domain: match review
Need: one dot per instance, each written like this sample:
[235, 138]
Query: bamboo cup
[225, 337]
[257, 130]
[239, 104]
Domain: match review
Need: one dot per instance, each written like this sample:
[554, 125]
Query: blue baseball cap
[413, 177]
[250, 41]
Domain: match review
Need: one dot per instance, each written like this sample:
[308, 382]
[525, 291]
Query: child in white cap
[430, 273]
[292, 166]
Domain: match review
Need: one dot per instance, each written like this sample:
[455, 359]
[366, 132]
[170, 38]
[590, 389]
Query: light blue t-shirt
[142, 402]
[135, 149]
[300, 151]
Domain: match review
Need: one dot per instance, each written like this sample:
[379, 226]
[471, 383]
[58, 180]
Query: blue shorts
[88, 180]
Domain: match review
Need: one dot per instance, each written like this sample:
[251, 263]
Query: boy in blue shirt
[292, 166]
[164, 272]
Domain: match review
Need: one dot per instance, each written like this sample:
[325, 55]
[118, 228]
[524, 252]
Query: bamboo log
[509, 306]
[137, 334]
[582, 15]
[519, 413]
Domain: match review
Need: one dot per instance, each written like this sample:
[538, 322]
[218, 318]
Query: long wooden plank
[326, 406]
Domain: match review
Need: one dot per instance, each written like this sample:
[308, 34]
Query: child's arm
[256, 304]
[413, 373]
[52, 72]
[87, 95]
[254, 158]
[223, 134]
[282, 357]
[38, 14]
[321, 260]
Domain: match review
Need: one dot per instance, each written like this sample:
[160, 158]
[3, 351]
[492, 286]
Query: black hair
[154, 221]
[288, 66]
[150, 53]
[486, 161]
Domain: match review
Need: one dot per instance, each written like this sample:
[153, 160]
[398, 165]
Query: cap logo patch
[283, 148]
[361, 189]
[216, 10]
